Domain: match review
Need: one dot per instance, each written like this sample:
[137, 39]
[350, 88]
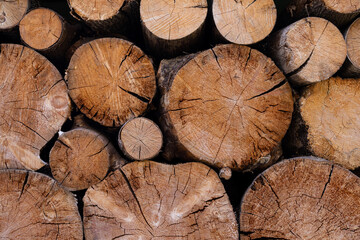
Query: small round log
[34, 106]
[140, 139]
[146, 200]
[111, 81]
[351, 67]
[34, 206]
[81, 158]
[309, 50]
[173, 27]
[244, 22]
[326, 123]
[302, 198]
[233, 115]
[11, 13]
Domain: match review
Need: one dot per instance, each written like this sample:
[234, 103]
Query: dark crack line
[24, 184]
[128, 53]
[270, 90]
[328, 181]
[143, 99]
[216, 58]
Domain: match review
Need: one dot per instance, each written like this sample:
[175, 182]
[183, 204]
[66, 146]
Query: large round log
[149, 200]
[326, 122]
[351, 67]
[309, 50]
[244, 22]
[34, 206]
[34, 106]
[302, 198]
[173, 27]
[234, 114]
[111, 81]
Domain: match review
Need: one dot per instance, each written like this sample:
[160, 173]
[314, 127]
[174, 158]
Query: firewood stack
[186, 119]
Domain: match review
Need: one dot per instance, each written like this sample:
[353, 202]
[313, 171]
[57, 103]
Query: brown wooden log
[339, 12]
[171, 28]
[106, 16]
[326, 123]
[111, 81]
[149, 200]
[81, 158]
[46, 31]
[302, 198]
[233, 115]
[11, 13]
[244, 22]
[309, 50]
[140, 139]
[34, 106]
[351, 67]
[34, 206]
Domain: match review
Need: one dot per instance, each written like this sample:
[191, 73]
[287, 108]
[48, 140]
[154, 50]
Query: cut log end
[140, 139]
[80, 158]
[152, 200]
[244, 22]
[352, 38]
[41, 28]
[34, 206]
[12, 12]
[225, 173]
[236, 111]
[111, 81]
[302, 198]
[343, 6]
[309, 50]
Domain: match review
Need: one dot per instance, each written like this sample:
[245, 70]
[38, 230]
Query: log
[111, 81]
[140, 139]
[171, 28]
[302, 198]
[308, 51]
[81, 158]
[34, 206]
[35, 104]
[339, 13]
[146, 200]
[244, 22]
[233, 115]
[103, 16]
[326, 123]
[11, 13]
[351, 67]
[44, 30]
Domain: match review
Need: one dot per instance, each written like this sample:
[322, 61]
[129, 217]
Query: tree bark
[233, 115]
[171, 28]
[119, 16]
[149, 200]
[308, 51]
[34, 206]
[111, 81]
[339, 13]
[46, 31]
[244, 22]
[302, 198]
[140, 139]
[35, 104]
[351, 66]
[326, 124]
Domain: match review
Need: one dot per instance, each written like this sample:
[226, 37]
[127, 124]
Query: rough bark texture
[34, 106]
[244, 22]
[351, 67]
[46, 31]
[339, 12]
[81, 158]
[111, 81]
[309, 50]
[149, 200]
[103, 16]
[11, 13]
[302, 198]
[140, 139]
[329, 111]
[233, 115]
[34, 206]
[173, 27]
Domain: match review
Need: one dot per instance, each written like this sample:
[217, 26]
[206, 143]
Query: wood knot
[59, 102]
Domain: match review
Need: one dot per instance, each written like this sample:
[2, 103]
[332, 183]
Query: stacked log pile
[186, 119]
